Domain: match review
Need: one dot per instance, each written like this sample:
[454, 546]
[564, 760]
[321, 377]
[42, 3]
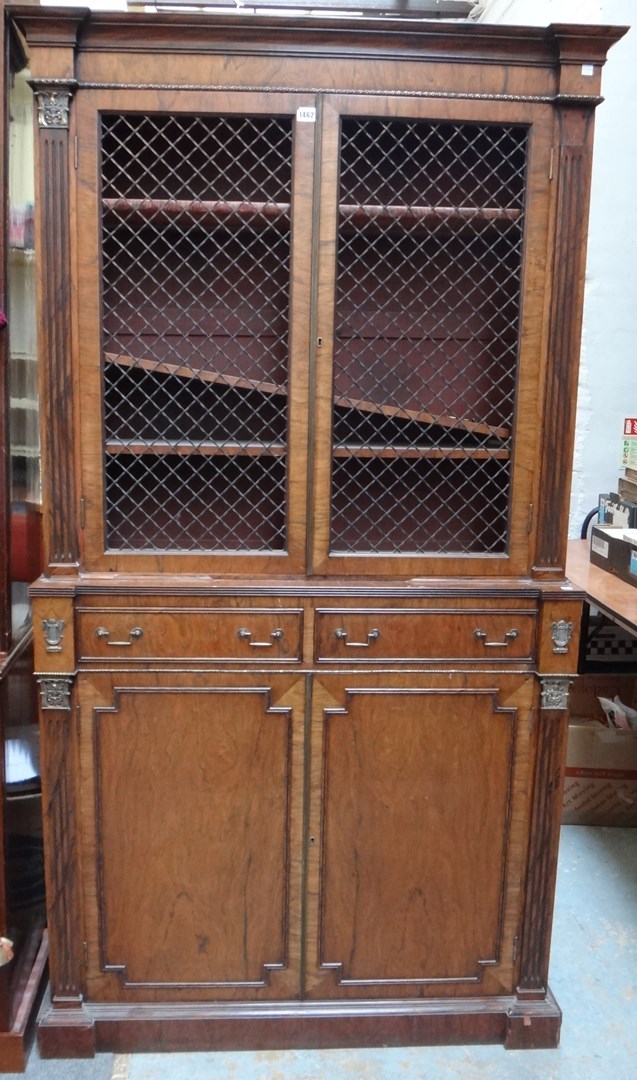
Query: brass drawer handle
[245, 635]
[136, 632]
[341, 635]
[508, 637]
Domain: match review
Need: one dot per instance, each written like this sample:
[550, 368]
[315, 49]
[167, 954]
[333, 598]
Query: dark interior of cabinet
[426, 335]
[196, 224]
[393, 504]
[156, 501]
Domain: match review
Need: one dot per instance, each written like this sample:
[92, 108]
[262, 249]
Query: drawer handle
[341, 635]
[508, 637]
[245, 635]
[136, 632]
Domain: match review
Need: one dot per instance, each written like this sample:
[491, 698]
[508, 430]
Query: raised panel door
[417, 845]
[191, 810]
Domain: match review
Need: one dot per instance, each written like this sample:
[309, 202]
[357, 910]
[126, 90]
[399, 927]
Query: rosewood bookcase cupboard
[309, 304]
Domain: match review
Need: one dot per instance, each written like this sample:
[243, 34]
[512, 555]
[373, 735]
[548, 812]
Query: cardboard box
[600, 786]
[627, 489]
[615, 550]
[586, 690]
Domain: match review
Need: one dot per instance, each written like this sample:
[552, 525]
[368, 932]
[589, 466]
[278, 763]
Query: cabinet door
[194, 256]
[434, 225]
[191, 816]
[417, 834]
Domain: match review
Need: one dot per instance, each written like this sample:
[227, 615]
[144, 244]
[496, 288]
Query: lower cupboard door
[191, 815]
[417, 836]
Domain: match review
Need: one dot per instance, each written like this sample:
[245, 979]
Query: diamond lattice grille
[196, 267]
[426, 335]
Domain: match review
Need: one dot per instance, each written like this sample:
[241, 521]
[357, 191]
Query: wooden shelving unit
[22, 908]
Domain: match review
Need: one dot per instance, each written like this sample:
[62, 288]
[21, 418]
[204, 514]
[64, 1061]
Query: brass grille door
[428, 259]
[196, 222]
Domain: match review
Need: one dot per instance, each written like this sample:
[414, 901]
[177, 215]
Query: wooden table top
[613, 597]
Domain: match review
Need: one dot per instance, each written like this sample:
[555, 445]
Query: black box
[617, 511]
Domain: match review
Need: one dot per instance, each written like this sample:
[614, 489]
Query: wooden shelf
[394, 412]
[426, 217]
[216, 212]
[162, 447]
[205, 213]
[431, 453]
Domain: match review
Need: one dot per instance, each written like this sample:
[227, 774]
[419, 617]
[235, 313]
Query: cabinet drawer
[245, 636]
[406, 635]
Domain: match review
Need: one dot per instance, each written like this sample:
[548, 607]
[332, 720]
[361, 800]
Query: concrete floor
[593, 976]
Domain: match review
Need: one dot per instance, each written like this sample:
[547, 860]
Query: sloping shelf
[420, 416]
[396, 412]
[183, 371]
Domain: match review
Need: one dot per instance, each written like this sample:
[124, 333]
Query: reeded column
[53, 99]
[569, 260]
[546, 816]
[54, 659]
[60, 822]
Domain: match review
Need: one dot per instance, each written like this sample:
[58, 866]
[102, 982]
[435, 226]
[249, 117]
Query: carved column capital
[55, 692]
[554, 691]
[54, 102]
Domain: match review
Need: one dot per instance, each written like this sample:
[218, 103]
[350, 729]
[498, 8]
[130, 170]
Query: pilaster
[53, 100]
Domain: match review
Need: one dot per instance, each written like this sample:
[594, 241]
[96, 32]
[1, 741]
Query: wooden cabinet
[304, 640]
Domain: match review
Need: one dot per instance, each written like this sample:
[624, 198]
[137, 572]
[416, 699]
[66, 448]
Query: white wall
[608, 373]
